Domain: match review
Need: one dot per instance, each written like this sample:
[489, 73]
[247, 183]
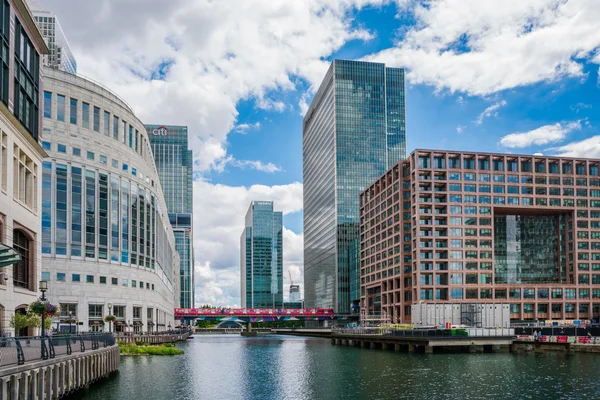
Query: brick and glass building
[261, 257]
[352, 133]
[174, 164]
[464, 227]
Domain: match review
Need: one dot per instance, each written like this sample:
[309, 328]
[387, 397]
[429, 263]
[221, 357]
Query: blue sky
[517, 76]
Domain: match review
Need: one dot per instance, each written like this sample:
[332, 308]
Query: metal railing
[20, 350]
[426, 333]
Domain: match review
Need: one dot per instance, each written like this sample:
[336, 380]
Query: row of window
[526, 190]
[75, 151]
[481, 293]
[101, 120]
[103, 280]
[97, 311]
[483, 164]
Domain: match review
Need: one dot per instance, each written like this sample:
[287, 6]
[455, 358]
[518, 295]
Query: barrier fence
[20, 350]
[428, 333]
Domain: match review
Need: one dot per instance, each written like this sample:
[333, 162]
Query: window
[89, 278]
[96, 119]
[119, 311]
[22, 270]
[115, 127]
[103, 280]
[76, 278]
[46, 146]
[61, 148]
[95, 310]
[46, 276]
[47, 105]
[60, 107]
[91, 155]
[61, 276]
[124, 282]
[26, 82]
[133, 283]
[115, 163]
[115, 281]
[137, 312]
[103, 159]
[76, 152]
[106, 123]
[85, 115]
[73, 111]
[125, 167]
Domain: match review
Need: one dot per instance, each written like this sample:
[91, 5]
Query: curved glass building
[107, 244]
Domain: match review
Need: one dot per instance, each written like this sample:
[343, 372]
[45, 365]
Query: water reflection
[275, 367]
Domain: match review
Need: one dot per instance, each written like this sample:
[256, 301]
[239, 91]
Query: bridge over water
[252, 315]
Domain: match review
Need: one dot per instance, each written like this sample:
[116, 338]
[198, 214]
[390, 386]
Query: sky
[516, 76]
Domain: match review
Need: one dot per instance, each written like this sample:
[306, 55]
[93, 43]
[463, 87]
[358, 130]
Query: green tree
[205, 324]
[19, 321]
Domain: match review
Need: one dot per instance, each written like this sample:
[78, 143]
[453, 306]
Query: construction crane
[291, 280]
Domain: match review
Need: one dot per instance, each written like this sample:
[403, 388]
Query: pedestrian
[535, 334]
[540, 336]
[590, 338]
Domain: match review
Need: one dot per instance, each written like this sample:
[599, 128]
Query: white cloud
[189, 62]
[485, 46]
[460, 128]
[244, 128]
[589, 148]
[219, 212]
[540, 136]
[220, 165]
[491, 111]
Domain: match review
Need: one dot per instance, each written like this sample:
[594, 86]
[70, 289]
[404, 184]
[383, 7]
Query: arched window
[21, 268]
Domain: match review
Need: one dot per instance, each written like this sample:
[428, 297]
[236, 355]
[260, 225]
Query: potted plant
[39, 307]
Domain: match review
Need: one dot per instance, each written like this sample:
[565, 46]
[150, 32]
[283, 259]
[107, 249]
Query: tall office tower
[174, 164]
[60, 56]
[107, 244]
[20, 162]
[261, 257]
[353, 131]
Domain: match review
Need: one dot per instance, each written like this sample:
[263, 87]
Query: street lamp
[43, 289]
[109, 322]
[70, 320]
[169, 326]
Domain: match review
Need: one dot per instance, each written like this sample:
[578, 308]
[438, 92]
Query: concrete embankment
[56, 377]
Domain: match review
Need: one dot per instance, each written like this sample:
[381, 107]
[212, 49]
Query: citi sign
[160, 131]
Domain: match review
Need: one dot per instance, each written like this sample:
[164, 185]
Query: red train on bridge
[200, 312]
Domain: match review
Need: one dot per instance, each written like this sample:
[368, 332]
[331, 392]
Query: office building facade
[60, 55]
[261, 257]
[352, 133]
[21, 158]
[463, 227]
[107, 244]
[174, 164]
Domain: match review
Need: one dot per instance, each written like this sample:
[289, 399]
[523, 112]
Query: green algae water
[284, 367]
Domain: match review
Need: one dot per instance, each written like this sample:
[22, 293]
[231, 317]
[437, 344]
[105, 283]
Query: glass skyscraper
[60, 56]
[174, 164]
[352, 133]
[261, 257]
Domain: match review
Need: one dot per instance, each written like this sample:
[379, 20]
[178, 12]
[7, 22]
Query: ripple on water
[277, 367]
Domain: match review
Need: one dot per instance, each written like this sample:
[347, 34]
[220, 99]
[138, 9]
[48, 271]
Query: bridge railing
[20, 350]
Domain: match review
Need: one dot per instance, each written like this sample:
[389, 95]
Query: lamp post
[169, 326]
[129, 325]
[70, 320]
[110, 322]
[43, 289]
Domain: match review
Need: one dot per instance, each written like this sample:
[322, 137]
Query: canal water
[283, 367]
